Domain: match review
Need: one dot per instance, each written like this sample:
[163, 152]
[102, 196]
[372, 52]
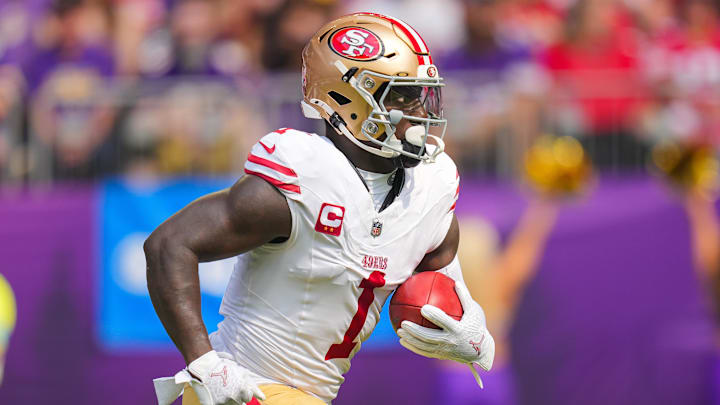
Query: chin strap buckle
[336, 120]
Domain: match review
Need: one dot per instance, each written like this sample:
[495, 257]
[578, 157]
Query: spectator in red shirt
[597, 89]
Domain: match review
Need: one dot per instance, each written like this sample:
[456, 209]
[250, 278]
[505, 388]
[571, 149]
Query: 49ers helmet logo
[356, 43]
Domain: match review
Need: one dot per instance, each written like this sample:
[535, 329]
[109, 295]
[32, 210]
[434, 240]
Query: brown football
[429, 287]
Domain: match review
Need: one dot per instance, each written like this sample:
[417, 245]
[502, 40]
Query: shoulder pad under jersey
[283, 158]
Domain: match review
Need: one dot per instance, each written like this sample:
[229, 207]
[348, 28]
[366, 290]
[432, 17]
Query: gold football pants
[275, 394]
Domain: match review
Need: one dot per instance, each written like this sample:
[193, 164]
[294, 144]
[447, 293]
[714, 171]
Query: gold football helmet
[364, 73]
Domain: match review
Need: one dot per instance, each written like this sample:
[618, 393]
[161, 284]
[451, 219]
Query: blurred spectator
[598, 92]
[656, 18]
[191, 45]
[192, 127]
[481, 49]
[16, 20]
[135, 21]
[66, 73]
[12, 150]
[501, 85]
[15, 25]
[194, 122]
[242, 27]
[683, 64]
[75, 34]
[535, 24]
[286, 32]
[439, 22]
[696, 64]
[289, 28]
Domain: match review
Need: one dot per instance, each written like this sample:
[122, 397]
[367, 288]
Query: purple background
[614, 315]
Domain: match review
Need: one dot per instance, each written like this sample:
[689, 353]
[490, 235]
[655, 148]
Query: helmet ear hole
[339, 98]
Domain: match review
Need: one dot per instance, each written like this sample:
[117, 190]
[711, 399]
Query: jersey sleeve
[271, 159]
[448, 192]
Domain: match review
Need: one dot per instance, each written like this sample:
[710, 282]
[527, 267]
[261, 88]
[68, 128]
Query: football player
[330, 225]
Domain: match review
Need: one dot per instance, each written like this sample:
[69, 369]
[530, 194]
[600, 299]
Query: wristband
[201, 366]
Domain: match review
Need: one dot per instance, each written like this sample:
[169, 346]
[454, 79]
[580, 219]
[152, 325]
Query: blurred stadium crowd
[168, 88]
[96, 87]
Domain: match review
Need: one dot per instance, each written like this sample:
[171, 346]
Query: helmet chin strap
[384, 152]
[339, 124]
[394, 142]
[439, 148]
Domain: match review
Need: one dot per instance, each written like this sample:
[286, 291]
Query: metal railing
[89, 128]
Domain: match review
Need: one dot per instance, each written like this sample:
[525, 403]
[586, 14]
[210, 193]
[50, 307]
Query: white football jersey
[296, 312]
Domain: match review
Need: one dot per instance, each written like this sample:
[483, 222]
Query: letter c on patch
[330, 219]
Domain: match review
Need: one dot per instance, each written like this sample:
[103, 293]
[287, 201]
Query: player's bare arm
[219, 225]
[444, 254]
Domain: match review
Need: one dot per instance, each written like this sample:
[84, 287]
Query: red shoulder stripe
[271, 165]
[277, 183]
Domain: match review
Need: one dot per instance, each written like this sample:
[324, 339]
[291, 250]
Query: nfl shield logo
[376, 228]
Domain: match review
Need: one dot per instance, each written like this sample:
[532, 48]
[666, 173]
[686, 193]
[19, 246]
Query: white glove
[466, 341]
[220, 381]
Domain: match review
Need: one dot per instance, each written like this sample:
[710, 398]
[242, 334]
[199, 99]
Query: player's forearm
[524, 250]
[174, 286]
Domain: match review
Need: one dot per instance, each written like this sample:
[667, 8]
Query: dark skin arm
[443, 254]
[219, 225]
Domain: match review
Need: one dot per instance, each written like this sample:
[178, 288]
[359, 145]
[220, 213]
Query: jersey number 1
[342, 350]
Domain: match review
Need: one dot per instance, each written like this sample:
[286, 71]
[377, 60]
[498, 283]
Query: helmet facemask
[416, 101]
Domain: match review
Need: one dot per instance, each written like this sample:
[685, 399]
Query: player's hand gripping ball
[455, 327]
[557, 166]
